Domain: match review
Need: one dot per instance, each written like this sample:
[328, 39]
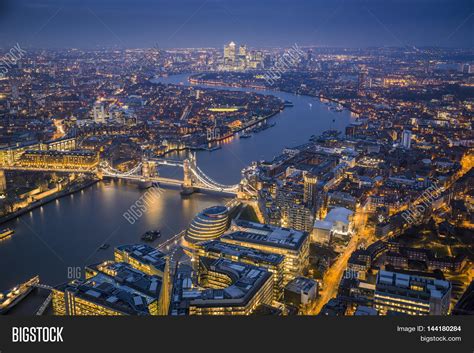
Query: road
[333, 275]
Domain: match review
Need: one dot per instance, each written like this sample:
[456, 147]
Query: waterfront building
[11, 155]
[292, 244]
[410, 294]
[208, 224]
[272, 262]
[225, 288]
[52, 159]
[150, 261]
[110, 288]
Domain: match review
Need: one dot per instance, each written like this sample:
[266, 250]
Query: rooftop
[268, 235]
[415, 286]
[300, 284]
[145, 254]
[246, 281]
[242, 252]
[119, 287]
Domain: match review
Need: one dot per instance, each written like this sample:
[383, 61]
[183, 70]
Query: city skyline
[237, 158]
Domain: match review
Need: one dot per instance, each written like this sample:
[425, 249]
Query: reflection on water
[294, 126]
[67, 232]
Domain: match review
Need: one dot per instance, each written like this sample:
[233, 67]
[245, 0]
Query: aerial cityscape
[237, 176]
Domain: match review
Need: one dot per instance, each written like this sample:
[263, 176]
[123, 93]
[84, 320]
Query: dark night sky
[262, 23]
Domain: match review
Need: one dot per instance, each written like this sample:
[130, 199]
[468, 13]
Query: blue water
[66, 233]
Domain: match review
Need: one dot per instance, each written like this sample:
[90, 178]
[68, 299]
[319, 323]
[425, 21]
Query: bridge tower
[148, 169]
[188, 182]
[145, 169]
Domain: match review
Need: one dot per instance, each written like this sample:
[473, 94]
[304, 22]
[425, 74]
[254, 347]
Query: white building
[98, 113]
[337, 224]
[321, 232]
[406, 139]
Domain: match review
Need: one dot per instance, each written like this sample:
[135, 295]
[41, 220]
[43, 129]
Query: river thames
[67, 232]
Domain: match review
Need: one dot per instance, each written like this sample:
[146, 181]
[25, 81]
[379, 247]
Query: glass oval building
[208, 224]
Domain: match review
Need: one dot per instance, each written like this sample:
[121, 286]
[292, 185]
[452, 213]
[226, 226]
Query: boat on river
[12, 297]
[5, 233]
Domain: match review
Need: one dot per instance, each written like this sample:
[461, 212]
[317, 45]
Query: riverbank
[193, 80]
[47, 200]
[68, 232]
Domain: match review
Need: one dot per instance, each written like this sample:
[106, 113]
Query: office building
[110, 288]
[229, 54]
[412, 295]
[242, 55]
[272, 262]
[241, 58]
[224, 287]
[406, 139]
[149, 261]
[292, 244]
[208, 224]
[301, 292]
[363, 80]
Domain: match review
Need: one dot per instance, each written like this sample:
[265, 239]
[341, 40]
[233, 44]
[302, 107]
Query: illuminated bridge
[146, 171]
[194, 177]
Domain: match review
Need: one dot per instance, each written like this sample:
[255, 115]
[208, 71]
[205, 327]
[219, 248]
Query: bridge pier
[188, 184]
[186, 191]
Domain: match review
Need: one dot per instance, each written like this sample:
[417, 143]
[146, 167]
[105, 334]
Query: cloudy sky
[259, 23]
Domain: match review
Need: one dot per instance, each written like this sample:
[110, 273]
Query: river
[66, 233]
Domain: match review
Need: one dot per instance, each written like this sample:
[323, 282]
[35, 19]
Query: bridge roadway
[205, 182]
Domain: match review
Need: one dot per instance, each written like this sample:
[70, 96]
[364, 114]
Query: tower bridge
[194, 179]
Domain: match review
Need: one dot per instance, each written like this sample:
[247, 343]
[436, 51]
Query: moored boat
[4, 233]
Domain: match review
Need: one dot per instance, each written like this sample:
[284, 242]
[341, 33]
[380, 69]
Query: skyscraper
[242, 57]
[229, 54]
[15, 92]
[309, 194]
[3, 182]
[363, 79]
[406, 139]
